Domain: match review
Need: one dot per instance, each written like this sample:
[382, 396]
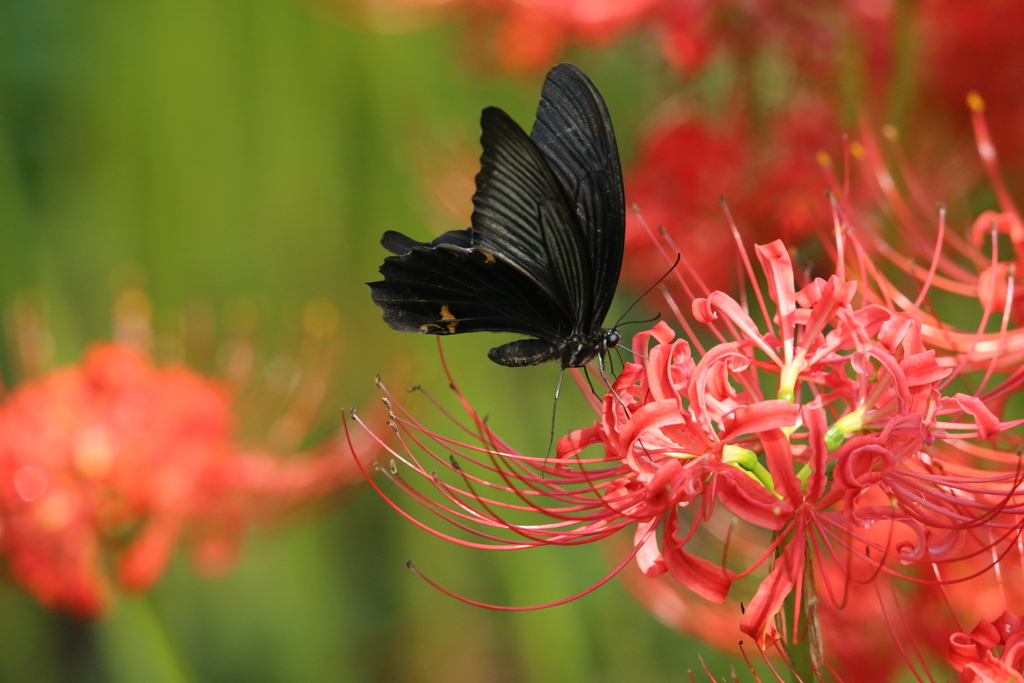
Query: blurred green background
[250, 148]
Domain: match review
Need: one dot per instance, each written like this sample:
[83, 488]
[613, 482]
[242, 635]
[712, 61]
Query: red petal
[988, 424]
[760, 417]
[757, 620]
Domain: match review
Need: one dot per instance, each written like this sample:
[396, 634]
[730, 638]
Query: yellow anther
[975, 102]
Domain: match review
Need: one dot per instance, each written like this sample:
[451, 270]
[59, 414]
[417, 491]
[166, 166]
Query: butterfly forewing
[570, 263]
[574, 132]
[513, 186]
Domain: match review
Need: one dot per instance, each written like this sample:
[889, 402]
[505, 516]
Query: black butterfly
[543, 254]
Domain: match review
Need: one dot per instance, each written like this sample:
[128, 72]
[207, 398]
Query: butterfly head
[581, 349]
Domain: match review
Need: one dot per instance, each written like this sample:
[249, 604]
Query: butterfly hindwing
[440, 287]
[574, 132]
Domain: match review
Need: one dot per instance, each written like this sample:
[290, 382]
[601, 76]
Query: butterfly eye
[612, 339]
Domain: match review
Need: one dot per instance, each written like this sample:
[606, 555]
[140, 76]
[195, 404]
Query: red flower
[973, 270]
[117, 459]
[773, 185]
[992, 653]
[825, 432]
[974, 45]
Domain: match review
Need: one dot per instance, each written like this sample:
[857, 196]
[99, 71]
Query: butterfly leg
[554, 411]
[608, 382]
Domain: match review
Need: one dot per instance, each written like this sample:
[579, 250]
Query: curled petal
[629, 376]
[650, 417]
[988, 423]
[1013, 653]
[962, 651]
[870, 319]
[1005, 223]
[663, 376]
[863, 461]
[704, 578]
[811, 293]
[990, 670]
[574, 442]
[905, 435]
[893, 331]
[778, 268]
[921, 368]
[661, 490]
[821, 308]
[986, 635]
[662, 333]
[711, 378]
[1007, 625]
[704, 310]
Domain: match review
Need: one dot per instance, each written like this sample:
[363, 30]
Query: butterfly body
[543, 253]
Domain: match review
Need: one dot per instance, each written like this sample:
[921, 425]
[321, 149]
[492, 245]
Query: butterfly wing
[543, 254]
[446, 287]
[574, 132]
[522, 216]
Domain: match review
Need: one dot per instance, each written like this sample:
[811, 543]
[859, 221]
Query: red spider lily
[992, 653]
[867, 634]
[958, 266]
[820, 445]
[115, 460]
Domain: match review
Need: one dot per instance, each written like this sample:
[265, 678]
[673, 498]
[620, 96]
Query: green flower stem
[804, 647]
[136, 645]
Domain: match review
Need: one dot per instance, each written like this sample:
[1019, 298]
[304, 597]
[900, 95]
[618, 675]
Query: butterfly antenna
[586, 373]
[649, 289]
[641, 322]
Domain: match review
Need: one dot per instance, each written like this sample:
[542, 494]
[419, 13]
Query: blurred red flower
[772, 183]
[974, 45]
[115, 460]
